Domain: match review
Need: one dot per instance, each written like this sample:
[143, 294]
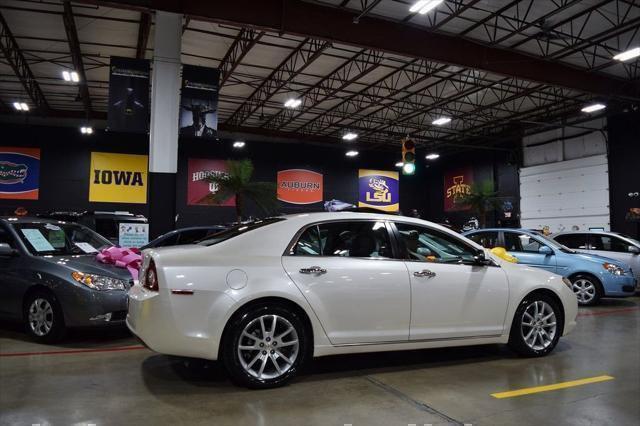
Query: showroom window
[345, 239]
[574, 241]
[429, 245]
[521, 242]
[485, 239]
[607, 243]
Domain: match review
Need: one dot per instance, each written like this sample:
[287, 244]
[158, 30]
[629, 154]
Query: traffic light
[408, 157]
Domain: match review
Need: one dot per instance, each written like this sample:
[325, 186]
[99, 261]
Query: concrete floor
[443, 386]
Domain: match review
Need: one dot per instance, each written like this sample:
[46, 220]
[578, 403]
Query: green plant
[481, 199]
[237, 183]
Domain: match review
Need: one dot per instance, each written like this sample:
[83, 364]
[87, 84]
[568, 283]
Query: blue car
[592, 276]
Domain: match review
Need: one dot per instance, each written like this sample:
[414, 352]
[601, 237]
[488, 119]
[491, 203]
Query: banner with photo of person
[19, 173]
[199, 191]
[128, 95]
[379, 189]
[199, 102]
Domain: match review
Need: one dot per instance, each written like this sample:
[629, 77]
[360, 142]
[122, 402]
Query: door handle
[313, 270]
[424, 273]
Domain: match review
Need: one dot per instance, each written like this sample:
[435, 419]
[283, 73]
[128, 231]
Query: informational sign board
[133, 234]
[457, 185]
[128, 95]
[19, 173]
[379, 189]
[299, 186]
[118, 178]
[199, 102]
[199, 190]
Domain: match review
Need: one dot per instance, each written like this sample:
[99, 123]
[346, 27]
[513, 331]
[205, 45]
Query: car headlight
[614, 269]
[568, 283]
[99, 282]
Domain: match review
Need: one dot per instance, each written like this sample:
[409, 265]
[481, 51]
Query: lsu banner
[19, 173]
[199, 102]
[128, 95]
[199, 191]
[457, 184]
[379, 189]
[299, 186]
[118, 178]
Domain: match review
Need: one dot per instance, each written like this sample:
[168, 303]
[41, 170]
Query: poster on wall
[379, 189]
[19, 173]
[199, 191]
[199, 102]
[457, 184]
[300, 186]
[133, 235]
[128, 95]
[118, 178]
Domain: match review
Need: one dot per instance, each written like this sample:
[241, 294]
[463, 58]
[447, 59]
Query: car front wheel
[43, 316]
[537, 326]
[587, 289]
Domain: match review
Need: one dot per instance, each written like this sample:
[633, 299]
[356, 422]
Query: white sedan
[267, 296]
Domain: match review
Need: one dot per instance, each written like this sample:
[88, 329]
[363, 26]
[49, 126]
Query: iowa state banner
[457, 185]
[19, 173]
[118, 178]
[379, 189]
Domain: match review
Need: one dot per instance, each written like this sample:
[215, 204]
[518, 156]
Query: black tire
[517, 337]
[38, 331]
[249, 318]
[578, 280]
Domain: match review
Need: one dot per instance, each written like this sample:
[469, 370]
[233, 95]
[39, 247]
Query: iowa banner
[128, 95]
[118, 178]
[379, 189]
[199, 190]
[457, 184]
[199, 102]
[19, 173]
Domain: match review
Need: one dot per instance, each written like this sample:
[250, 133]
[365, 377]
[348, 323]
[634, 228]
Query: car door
[13, 282]
[451, 295]
[347, 272]
[614, 247]
[530, 250]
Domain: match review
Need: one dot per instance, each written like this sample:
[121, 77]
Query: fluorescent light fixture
[349, 136]
[399, 164]
[351, 153]
[239, 144]
[66, 75]
[593, 108]
[18, 106]
[24, 106]
[432, 156]
[424, 6]
[293, 103]
[70, 76]
[441, 121]
[86, 130]
[74, 77]
[628, 54]
[409, 169]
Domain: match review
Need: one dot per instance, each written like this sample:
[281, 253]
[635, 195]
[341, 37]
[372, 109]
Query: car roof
[529, 231]
[588, 232]
[28, 219]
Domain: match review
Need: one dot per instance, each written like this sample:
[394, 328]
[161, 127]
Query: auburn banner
[457, 184]
[299, 186]
[199, 102]
[199, 191]
[379, 189]
[19, 173]
[128, 95]
[118, 178]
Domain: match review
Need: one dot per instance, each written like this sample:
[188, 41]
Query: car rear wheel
[537, 326]
[265, 346]
[43, 316]
[587, 289]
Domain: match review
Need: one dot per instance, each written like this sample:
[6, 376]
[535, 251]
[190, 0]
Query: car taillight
[151, 277]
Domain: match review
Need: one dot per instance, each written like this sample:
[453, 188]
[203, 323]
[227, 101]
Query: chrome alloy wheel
[538, 325]
[268, 347]
[584, 289]
[40, 317]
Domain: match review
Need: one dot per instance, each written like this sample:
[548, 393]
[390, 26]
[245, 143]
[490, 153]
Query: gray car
[50, 278]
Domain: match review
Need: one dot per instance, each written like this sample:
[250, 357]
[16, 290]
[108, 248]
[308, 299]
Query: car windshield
[555, 244]
[240, 229]
[60, 238]
[633, 240]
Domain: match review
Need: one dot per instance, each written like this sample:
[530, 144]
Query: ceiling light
[399, 164]
[441, 121]
[18, 106]
[628, 54]
[349, 136]
[24, 106]
[432, 156]
[86, 130]
[351, 153]
[70, 76]
[593, 108]
[238, 144]
[293, 103]
[424, 6]
[66, 75]
[74, 77]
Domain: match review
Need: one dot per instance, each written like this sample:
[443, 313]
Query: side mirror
[7, 251]
[634, 250]
[481, 259]
[546, 250]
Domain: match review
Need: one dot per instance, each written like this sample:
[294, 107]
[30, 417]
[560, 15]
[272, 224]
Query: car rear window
[239, 230]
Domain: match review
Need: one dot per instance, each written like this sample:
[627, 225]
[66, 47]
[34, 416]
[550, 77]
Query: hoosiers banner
[128, 95]
[457, 184]
[19, 173]
[379, 189]
[299, 186]
[199, 191]
[118, 178]
[199, 102]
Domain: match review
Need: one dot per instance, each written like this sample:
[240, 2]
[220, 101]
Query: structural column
[163, 141]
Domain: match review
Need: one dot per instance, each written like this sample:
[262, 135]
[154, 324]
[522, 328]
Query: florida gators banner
[299, 186]
[118, 178]
[19, 173]
[379, 189]
[457, 185]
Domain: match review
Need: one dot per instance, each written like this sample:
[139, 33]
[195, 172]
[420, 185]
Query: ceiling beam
[18, 63]
[243, 43]
[76, 55]
[312, 20]
[143, 34]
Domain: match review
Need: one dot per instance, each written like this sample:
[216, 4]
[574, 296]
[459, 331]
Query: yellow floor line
[546, 388]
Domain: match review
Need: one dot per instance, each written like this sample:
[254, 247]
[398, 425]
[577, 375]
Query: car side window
[420, 243]
[7, 238]
[485, 239]
[309, 243]
[345, 239]
[521, 243]
[188, 237]
[574, 241]
[608, 243]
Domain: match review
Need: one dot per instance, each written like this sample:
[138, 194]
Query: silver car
[50, 278]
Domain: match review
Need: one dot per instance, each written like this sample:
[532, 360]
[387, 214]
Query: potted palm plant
[481, 199]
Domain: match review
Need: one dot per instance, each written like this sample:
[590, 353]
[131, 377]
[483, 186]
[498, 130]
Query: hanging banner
[199, 102]
[299, 186]
[128, 95]
[118, 178]
[199, 191]
[457, 184]
[19, 173]
[379, 189]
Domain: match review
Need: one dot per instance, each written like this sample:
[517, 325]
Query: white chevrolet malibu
[265, 297]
